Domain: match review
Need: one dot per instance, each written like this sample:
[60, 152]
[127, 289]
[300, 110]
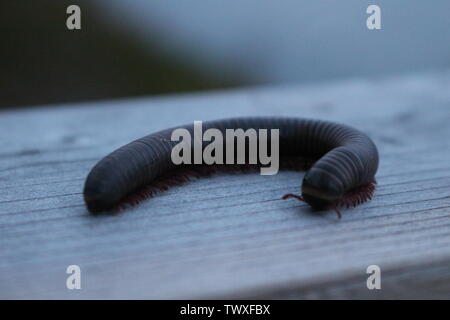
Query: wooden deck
[229, 236]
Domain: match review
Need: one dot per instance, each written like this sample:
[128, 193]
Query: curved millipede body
[346, 161]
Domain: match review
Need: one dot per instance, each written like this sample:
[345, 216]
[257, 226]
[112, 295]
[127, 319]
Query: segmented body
[347, 159]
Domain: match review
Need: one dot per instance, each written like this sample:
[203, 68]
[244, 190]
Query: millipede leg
[338, 213]
[291, 195]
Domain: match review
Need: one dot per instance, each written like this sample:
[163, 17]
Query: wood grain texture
[229, 235]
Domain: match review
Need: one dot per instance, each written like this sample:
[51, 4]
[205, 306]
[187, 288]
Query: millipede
[340, 163]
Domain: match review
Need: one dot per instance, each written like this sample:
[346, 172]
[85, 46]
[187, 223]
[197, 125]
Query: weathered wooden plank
[229, 235]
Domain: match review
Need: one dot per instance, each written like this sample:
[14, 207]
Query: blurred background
[140, 47]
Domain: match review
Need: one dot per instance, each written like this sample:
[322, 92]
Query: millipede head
[319, 191]
[322, 201]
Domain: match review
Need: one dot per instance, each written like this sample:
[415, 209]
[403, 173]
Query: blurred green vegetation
[42, 62]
